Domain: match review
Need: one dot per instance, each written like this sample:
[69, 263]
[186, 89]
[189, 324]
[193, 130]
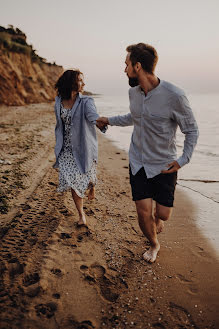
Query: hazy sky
[93, 35]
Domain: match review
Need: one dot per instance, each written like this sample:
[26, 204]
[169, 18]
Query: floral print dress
[69, 174]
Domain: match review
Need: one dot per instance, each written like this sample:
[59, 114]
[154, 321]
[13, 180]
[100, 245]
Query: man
[157, 108]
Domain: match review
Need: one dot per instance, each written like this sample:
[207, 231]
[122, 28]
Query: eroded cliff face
[23, 81]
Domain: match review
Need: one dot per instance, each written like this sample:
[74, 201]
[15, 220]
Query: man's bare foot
[151, 254]
[160, 225]
[91, 193]
[82, 220]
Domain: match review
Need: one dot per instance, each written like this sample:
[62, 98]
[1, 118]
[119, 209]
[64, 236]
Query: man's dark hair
[67, 83]
[144, 54]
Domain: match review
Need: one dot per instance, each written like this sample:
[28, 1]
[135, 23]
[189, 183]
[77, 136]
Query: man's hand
[102, 122]
[173, 166]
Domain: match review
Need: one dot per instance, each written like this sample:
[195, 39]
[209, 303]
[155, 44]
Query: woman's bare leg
[79, 205]
[91, 193]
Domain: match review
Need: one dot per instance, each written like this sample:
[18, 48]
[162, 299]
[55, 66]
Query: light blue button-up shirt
[155, 117]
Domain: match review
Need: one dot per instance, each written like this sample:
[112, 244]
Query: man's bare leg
[162, 214]
[159, 223]
[148, 226]
[79, 205]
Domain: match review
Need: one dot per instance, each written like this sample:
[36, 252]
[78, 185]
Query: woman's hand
[102, 122]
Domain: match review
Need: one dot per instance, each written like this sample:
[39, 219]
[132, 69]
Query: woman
[76, 143]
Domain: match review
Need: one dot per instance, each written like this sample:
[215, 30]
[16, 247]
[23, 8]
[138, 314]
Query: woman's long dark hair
[67, 83]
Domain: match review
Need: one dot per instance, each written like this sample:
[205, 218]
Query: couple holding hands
[157, 108]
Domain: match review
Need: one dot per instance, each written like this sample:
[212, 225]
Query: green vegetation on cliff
[14, 40]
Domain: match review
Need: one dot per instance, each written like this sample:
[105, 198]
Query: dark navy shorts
[160, 188]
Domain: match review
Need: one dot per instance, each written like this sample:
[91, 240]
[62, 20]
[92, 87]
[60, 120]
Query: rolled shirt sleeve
[184, 117]
[121, 120]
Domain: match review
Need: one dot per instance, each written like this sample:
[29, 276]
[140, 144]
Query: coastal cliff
[25, 77]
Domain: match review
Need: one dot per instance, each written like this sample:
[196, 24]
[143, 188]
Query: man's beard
[133, 82]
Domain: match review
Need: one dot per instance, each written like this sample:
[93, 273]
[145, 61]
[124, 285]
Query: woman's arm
[91, 111]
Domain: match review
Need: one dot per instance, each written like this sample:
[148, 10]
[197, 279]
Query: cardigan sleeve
[91, 111]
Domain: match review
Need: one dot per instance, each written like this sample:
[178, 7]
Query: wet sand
[56, 275]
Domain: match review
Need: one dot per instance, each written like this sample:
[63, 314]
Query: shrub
[14, 40]
[17, 48]
[20, 40]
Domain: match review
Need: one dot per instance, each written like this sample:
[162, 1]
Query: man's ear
[138, 66]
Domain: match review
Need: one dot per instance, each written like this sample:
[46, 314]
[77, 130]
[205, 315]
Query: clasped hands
[102, 122]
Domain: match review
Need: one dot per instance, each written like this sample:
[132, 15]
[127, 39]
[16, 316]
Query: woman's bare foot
[160, 225]
[91, 193]
[151, 254]
[82, 220]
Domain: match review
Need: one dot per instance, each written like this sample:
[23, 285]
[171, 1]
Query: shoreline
[56, 275]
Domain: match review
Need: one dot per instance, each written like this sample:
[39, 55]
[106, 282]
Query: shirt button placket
[141, 128]
[144, 109]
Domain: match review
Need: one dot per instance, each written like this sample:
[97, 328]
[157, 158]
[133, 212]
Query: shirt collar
[151, 92]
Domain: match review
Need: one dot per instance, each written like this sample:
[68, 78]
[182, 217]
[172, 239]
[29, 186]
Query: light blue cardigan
[83, 132]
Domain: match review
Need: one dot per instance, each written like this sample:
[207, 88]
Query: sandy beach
[56, 275]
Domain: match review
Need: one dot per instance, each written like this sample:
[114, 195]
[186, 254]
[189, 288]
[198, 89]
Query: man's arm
[188, 126]
[119, 120]
[184, 117]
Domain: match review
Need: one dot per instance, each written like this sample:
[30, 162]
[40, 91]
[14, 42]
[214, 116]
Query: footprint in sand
[84, 268]
[47, 310]
[89, 212]
[64, 212]
[56, 271]
[192, 290]
[191, 286]
[15, 268]
[65, 236]
[97, 270]
[107, 287]
[32, 291]
[159, 325]
[182, 278]
[181, 316]
[202, 253]
[84, 235]
[127, 253]
[31, 279]
[71, 322]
